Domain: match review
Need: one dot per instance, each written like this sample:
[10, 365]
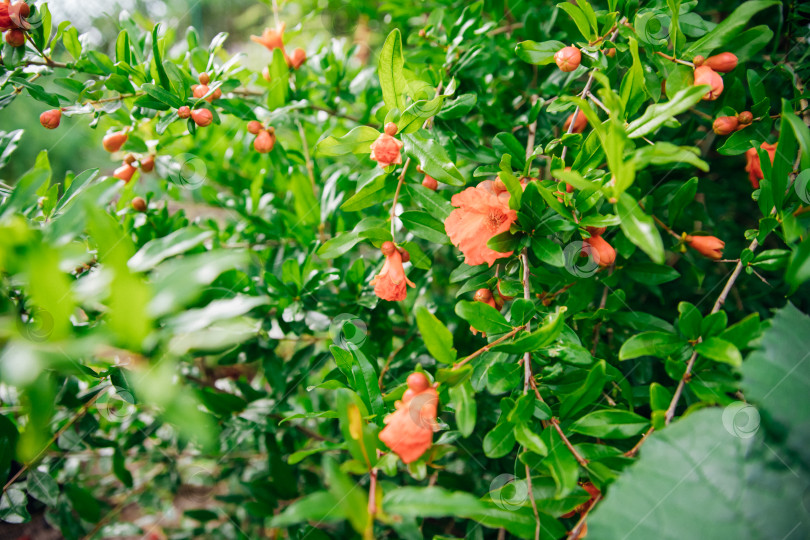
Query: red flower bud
[391, 129]
[579, 124]
[602, 252]
[388, 248]
[430, 183]
[723, 62]
[406, 256]
[114, 141]
[698, 61]
[139, 204]
[706, 75]
[708, 246]
[745, 117]
[124, 172]
[199, 90]
[215, 95]
[148, 164]
[50, 119]
[264, 142]
[725, 125]
[202, 117]
[418, 382]
[568, 58]
[184, 112]
[254, 127]
[483, 295]
[15, 38]
[611, 52]
[299, 56]
[204, 78]
[596, 231]
[129, 159]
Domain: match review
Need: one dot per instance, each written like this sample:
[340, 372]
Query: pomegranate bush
[454, 270]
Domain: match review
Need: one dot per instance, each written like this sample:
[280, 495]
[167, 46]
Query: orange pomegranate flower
[602, 252]
[481, 213]
[409, 429]
[391, 283]
[753, 165]
[272, 39]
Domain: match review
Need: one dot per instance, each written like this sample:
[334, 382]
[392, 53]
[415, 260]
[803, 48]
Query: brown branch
[676, 60]
[488, 346]
[56, 435]
[575, 532]
[534, 503]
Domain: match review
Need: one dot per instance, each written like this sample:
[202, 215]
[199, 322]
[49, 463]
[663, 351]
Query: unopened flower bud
[200, 90]
[745, 117]
[388, 248]
[50, 119]
[430, 183]
[698, 60]
[184, 112]
[418, 382]
[148, 164]
[139, 204]
[723, 62]
[114, 141]
[299, 56]
[124, 172]
[264, 142]
[204, 78]
[483, 295]
[725, 125]
[254, 127]
[390, 129]
[568, 58]
[579, 124]
[708, 246]
[15, 37]
[405, 255]
[202, 117]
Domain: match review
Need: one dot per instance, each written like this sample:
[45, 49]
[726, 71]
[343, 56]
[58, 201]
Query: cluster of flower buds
[265, 137]
[274, 39]
[201, 117]
[13, 22]
[568, 58]
[202, 89]
[707, 69]
[724, 125]
[130, 165]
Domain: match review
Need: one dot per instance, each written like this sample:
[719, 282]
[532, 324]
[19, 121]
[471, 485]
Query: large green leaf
[437, 338]
[357, 141]
[432, 157]
[389, 70]
[728, 29]
[640, 228]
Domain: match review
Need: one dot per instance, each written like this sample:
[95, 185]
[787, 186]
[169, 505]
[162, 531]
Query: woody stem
[488, 346]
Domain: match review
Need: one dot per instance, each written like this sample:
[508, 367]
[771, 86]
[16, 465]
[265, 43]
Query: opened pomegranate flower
[409, 429]
[391, 283]
[271, 38]
[481, 213]
[386, 150]
[753, 165]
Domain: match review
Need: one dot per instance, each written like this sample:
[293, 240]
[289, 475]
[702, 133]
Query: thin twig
[676, 60]
[488, 346]
[574, 534]
[534, 503]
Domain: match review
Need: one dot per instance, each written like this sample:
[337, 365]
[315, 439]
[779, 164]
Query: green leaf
[530, 440]
[728, 29]
[658, 114]
[659, 344]
[368, 195]
[776, 376]
[432, 157]
[539, 54]
[640, 228]
[430, 502]
[424, 226]
[610, 424]
[798, 270]
[685, 195]
[320, 506]
[340, 244]
[579, 18]
[542, 337]
[719, 350]
[462, 397]
[689, 320]
[587, 393]
[357, 141]
[162, 95]
[279, 80]
[500, 440]
[716, 484]
[483, 317]
[390, 72]
[13, 506]
[458, 107]
[633, 91]
[662, 153]
[25, 192]
[651, 273]
[430, 201]
[158, 60]
[158, 250]
[436, 336]
[548, 251]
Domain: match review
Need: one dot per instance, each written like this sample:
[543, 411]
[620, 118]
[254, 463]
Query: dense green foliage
[216, 363]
